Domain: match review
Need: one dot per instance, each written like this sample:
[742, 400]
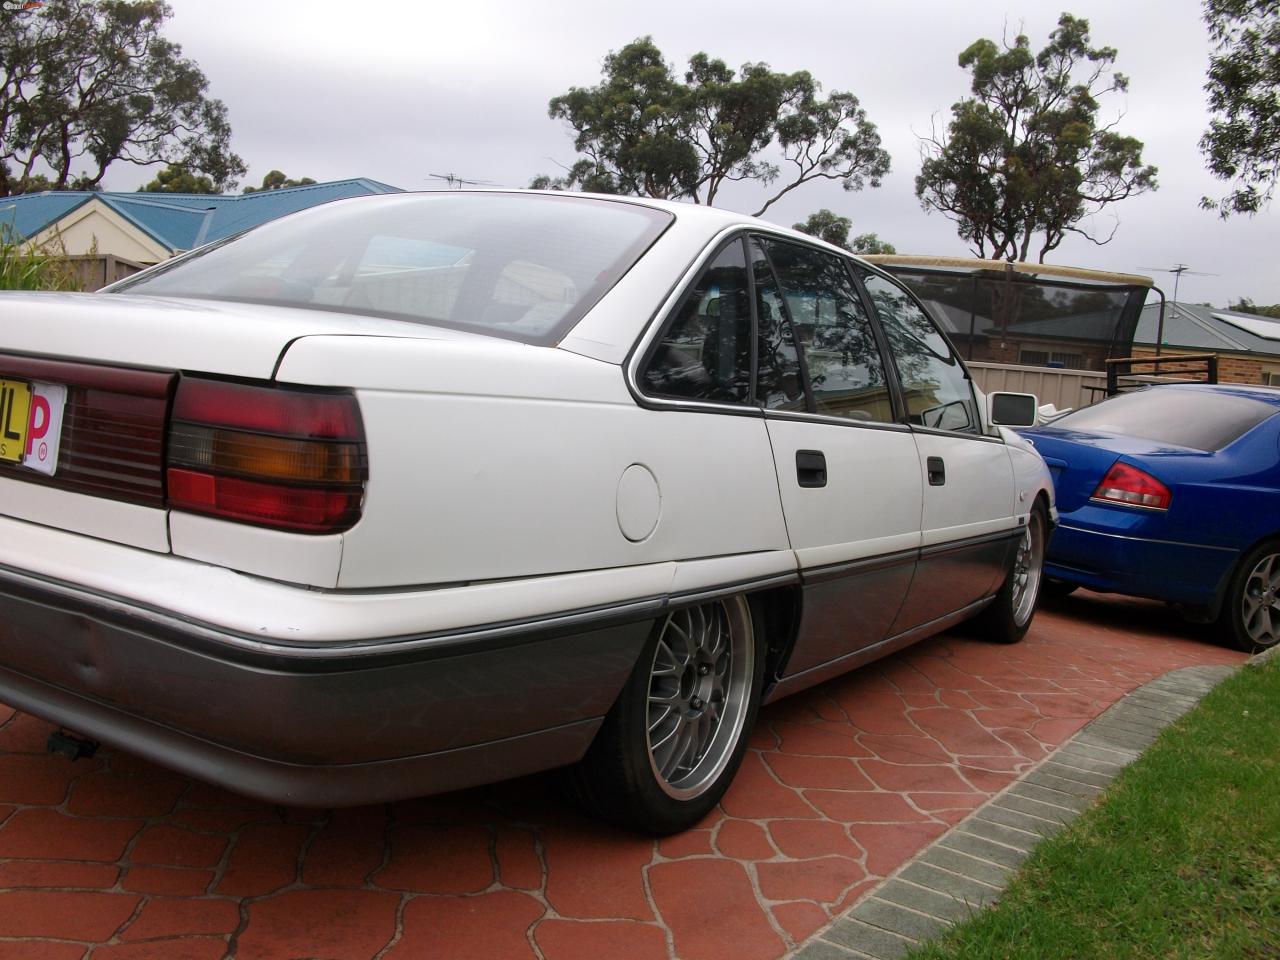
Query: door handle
[811, 468]
[937, 471]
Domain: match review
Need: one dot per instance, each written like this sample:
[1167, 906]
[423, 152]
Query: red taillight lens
[279, 457]
[1136, 488]
[263, 409]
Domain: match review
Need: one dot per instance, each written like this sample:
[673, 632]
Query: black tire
[621, 777]
[1057, 589]
[1009, 616]
[1250, 616]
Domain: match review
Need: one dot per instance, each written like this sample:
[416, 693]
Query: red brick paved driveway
[116, 858]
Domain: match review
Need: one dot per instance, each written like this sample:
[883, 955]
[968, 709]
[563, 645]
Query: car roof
[711, 219]
[1247, 391]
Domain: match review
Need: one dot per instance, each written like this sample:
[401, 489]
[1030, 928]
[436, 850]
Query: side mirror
[1012, 409]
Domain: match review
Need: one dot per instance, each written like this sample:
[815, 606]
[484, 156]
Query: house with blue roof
[147, 228]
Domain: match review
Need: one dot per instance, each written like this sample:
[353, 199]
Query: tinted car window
[522, 266]
[1199, 419]
[705, 352]
[841, 356]
[937, 393]
[779, 382]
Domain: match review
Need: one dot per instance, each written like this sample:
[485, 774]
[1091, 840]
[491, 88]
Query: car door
[848, 471]
[968, 525]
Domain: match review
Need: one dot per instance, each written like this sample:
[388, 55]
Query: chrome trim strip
[956, 434]
[853, 568]
[955, 546]
[1132, 506]
[211, 638]
[354, 654]
[745, 586]
[1167, 543]
[835, 421]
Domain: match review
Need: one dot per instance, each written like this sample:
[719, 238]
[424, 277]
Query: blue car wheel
[1251, 613]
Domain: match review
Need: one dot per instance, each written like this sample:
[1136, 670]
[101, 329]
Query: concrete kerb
[968, 867]
[1269, 654]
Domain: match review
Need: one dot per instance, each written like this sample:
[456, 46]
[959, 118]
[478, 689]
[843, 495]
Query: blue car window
[1197, 419]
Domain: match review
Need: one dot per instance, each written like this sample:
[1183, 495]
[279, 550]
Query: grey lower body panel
[950, 576]
[857, 612]
[795, 682]
[309, 730]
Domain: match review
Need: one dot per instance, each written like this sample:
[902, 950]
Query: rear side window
[1198, 419]
[705, 351]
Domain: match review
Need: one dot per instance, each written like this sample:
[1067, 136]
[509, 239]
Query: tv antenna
[1178, 270]
[456, 182]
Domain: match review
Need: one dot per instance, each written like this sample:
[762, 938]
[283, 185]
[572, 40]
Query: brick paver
[969, 867]
[113, 857]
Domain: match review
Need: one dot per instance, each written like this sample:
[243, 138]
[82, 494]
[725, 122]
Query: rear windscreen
[523, 266]
[1199, 419]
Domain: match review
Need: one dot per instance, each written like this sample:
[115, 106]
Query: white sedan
[407, 493]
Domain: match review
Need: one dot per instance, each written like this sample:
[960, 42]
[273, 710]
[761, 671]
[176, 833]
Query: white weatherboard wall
[96, 228]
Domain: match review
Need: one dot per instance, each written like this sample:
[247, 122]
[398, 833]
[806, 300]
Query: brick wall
[1231, 368]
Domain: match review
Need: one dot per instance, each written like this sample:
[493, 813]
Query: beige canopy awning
[966, 265]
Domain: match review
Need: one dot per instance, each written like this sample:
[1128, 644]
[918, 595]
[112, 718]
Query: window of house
[1051, 358]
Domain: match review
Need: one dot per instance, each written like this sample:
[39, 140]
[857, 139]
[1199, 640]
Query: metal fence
[1065, 389]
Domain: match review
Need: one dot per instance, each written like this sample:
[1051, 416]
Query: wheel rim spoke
[665, 662]
[1259, 623]
[667, 747]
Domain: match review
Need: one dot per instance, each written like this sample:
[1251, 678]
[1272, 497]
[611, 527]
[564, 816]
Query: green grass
[1181, 859]
[23, 267]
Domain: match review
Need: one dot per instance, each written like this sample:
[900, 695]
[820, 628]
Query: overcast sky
[398, 90]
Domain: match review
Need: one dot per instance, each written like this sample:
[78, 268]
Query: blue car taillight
[1132, 487]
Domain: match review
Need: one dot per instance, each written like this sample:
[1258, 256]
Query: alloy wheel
[1027, 567]
[1260, 602]
[699, 694]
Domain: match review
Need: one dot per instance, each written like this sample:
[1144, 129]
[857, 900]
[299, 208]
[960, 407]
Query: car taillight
[279, 457]
[1129, 485]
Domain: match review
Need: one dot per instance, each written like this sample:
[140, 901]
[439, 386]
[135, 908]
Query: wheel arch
[1043, 499]
[1228, 577]
[775, 616]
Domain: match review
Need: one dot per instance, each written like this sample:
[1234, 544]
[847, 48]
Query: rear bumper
[1113, 562]
[347, 724]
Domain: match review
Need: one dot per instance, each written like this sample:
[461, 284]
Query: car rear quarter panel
[1228, 499]
[498, 460]
[1224, 499]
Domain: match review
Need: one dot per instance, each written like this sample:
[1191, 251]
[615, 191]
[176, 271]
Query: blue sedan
[1173, 492]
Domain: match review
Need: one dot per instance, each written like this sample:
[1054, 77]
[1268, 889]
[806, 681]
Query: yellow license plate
[15, 415]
